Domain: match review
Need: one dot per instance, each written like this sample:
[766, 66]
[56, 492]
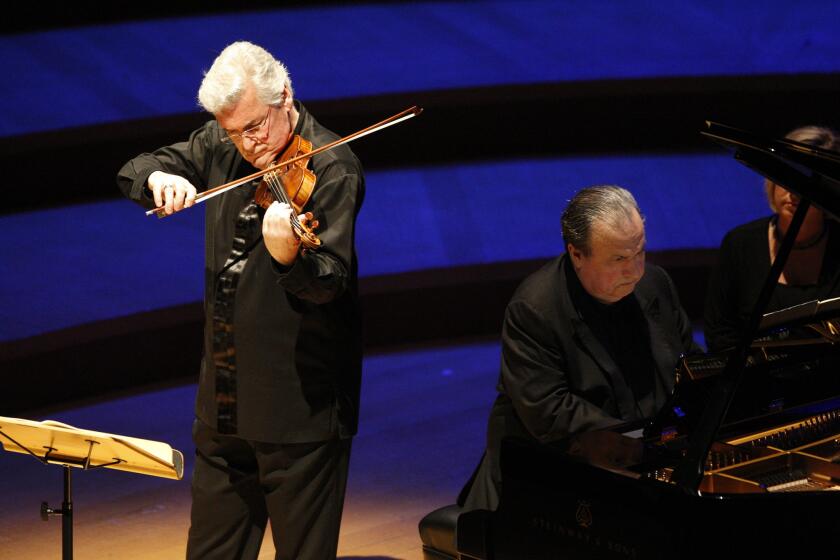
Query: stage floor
[421, 433]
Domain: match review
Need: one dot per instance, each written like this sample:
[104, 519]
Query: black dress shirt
[297, 330]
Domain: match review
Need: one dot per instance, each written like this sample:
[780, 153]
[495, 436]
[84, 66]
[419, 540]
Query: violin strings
[280, 194]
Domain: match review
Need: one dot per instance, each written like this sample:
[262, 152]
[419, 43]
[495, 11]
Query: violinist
[278, 392]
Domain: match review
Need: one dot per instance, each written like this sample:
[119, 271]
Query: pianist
[589, 340]
[812, 270]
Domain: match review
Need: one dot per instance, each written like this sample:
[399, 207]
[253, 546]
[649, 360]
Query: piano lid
[809, 171]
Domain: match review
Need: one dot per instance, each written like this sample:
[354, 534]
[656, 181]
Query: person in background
[812, 271]
[278, 392]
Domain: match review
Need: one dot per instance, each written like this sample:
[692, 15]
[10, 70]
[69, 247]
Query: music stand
[74, 447]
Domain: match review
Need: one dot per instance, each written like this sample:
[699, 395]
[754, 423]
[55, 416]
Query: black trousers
[238, 485]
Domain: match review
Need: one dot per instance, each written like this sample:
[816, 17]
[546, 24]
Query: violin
[290, 181]
[292, 185]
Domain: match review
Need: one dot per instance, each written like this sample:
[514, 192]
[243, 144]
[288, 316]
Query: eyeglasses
[251, 132]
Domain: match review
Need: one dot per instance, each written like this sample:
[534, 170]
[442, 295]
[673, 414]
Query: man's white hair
[238, 65]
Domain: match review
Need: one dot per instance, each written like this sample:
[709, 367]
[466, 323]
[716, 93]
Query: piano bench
[437, 532]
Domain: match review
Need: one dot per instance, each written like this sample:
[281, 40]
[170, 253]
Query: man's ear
[575, 254]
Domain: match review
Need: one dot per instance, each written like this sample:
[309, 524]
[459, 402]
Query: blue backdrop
[73, 265]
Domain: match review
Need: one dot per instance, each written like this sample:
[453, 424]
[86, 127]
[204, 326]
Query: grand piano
[744, 459]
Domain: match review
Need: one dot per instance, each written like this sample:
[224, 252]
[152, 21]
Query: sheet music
[58, 443]
[801, 313]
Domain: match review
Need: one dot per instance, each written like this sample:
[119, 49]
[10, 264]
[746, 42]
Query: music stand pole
[66, 513]
[67, 519]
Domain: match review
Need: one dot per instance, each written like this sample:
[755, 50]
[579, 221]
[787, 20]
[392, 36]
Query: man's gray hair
[238, 65]
[605, 204]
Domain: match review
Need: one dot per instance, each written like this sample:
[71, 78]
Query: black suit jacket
[557, 379]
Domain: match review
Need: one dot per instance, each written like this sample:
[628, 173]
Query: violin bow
[215, 191]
